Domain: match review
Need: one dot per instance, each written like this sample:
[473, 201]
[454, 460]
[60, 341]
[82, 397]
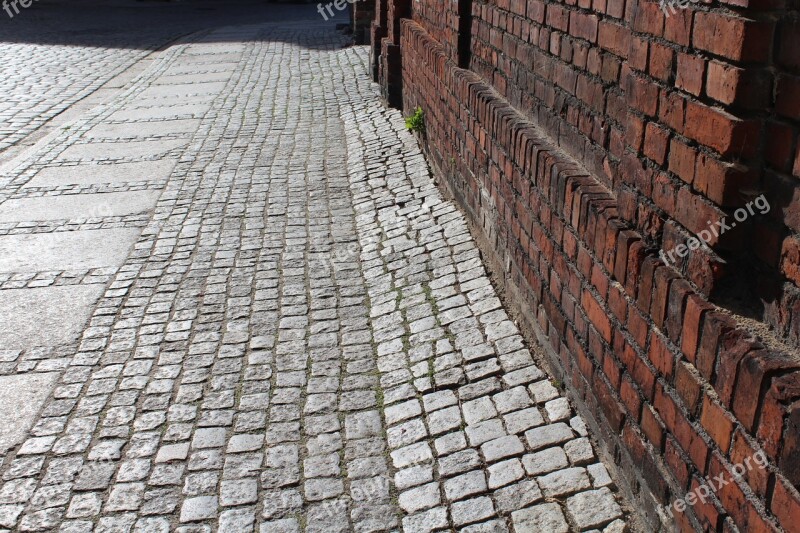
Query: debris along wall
[633, 170]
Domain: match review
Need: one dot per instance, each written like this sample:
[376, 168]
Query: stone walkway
[245, 306]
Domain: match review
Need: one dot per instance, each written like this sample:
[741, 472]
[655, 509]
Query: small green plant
[416, 122]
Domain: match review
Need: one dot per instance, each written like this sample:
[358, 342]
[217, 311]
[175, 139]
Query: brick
[720, 130]
[717, 423]
[688, 386]
[676, 462]
[672, 110]
[661, 59]
[695, 212]
[715, 327]
[614, 38]
[652, 427]
[696, 307]
[785, 503]
[678, 27]
[782, 391]
[790, 259]
[733, 348]
[682, 160]
[723, 182]
[648, 18]
[779, 151]
[732, 37]
[790, 455]
[690, 72]
[583, 26]
[642, 93]
[656, 140]
[660, 355]
[754, 372]
[787, 99]
[788, 51]
[597, 315]
[743, 451]
[748, 88]
[705, 509]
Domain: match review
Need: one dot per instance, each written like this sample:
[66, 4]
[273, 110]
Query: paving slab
[185, 89]
[89, 174]
[21, 399]
[193, 79]
[49, 316]
[66, 250]
[120, 150]
[142, 129]
[78, 207]
[163, 112]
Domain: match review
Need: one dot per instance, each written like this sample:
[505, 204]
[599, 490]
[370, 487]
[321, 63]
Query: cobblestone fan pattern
[303, 338]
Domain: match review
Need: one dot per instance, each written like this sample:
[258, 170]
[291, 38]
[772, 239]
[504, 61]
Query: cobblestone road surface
[287, 328]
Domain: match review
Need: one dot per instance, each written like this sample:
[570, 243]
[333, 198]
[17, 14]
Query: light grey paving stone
[566, 481]
[142, 129]
[284, 525]
[21, 398]
[78, 207]
[599, 475]
[543, 391]
[549, 435]
[470, 511]
[485, 431]
[501, 448]
[119, 150]
[545, 461]
[558, 409]
[239, 520]
[492, 526]
[420, 498]
[426, 521]
[593, 508]
[543, 517]
[579, 451]
[51, 316]
[505, 472]
[90, 174]
[199, 508]
[465, 485]
[173, 452]
[238, 492]
[194, 110]
[517, 496]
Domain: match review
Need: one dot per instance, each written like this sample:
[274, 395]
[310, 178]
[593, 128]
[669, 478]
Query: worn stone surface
[48, 316]
[302, 337]
[21, 397]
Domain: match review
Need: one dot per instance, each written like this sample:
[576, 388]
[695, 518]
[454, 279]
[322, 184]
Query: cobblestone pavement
[299, 336]
[57, 53]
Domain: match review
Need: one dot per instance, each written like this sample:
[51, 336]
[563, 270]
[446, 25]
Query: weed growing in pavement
[416, 122]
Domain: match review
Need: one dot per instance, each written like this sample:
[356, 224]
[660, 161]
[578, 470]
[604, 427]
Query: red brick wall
[587, 137]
